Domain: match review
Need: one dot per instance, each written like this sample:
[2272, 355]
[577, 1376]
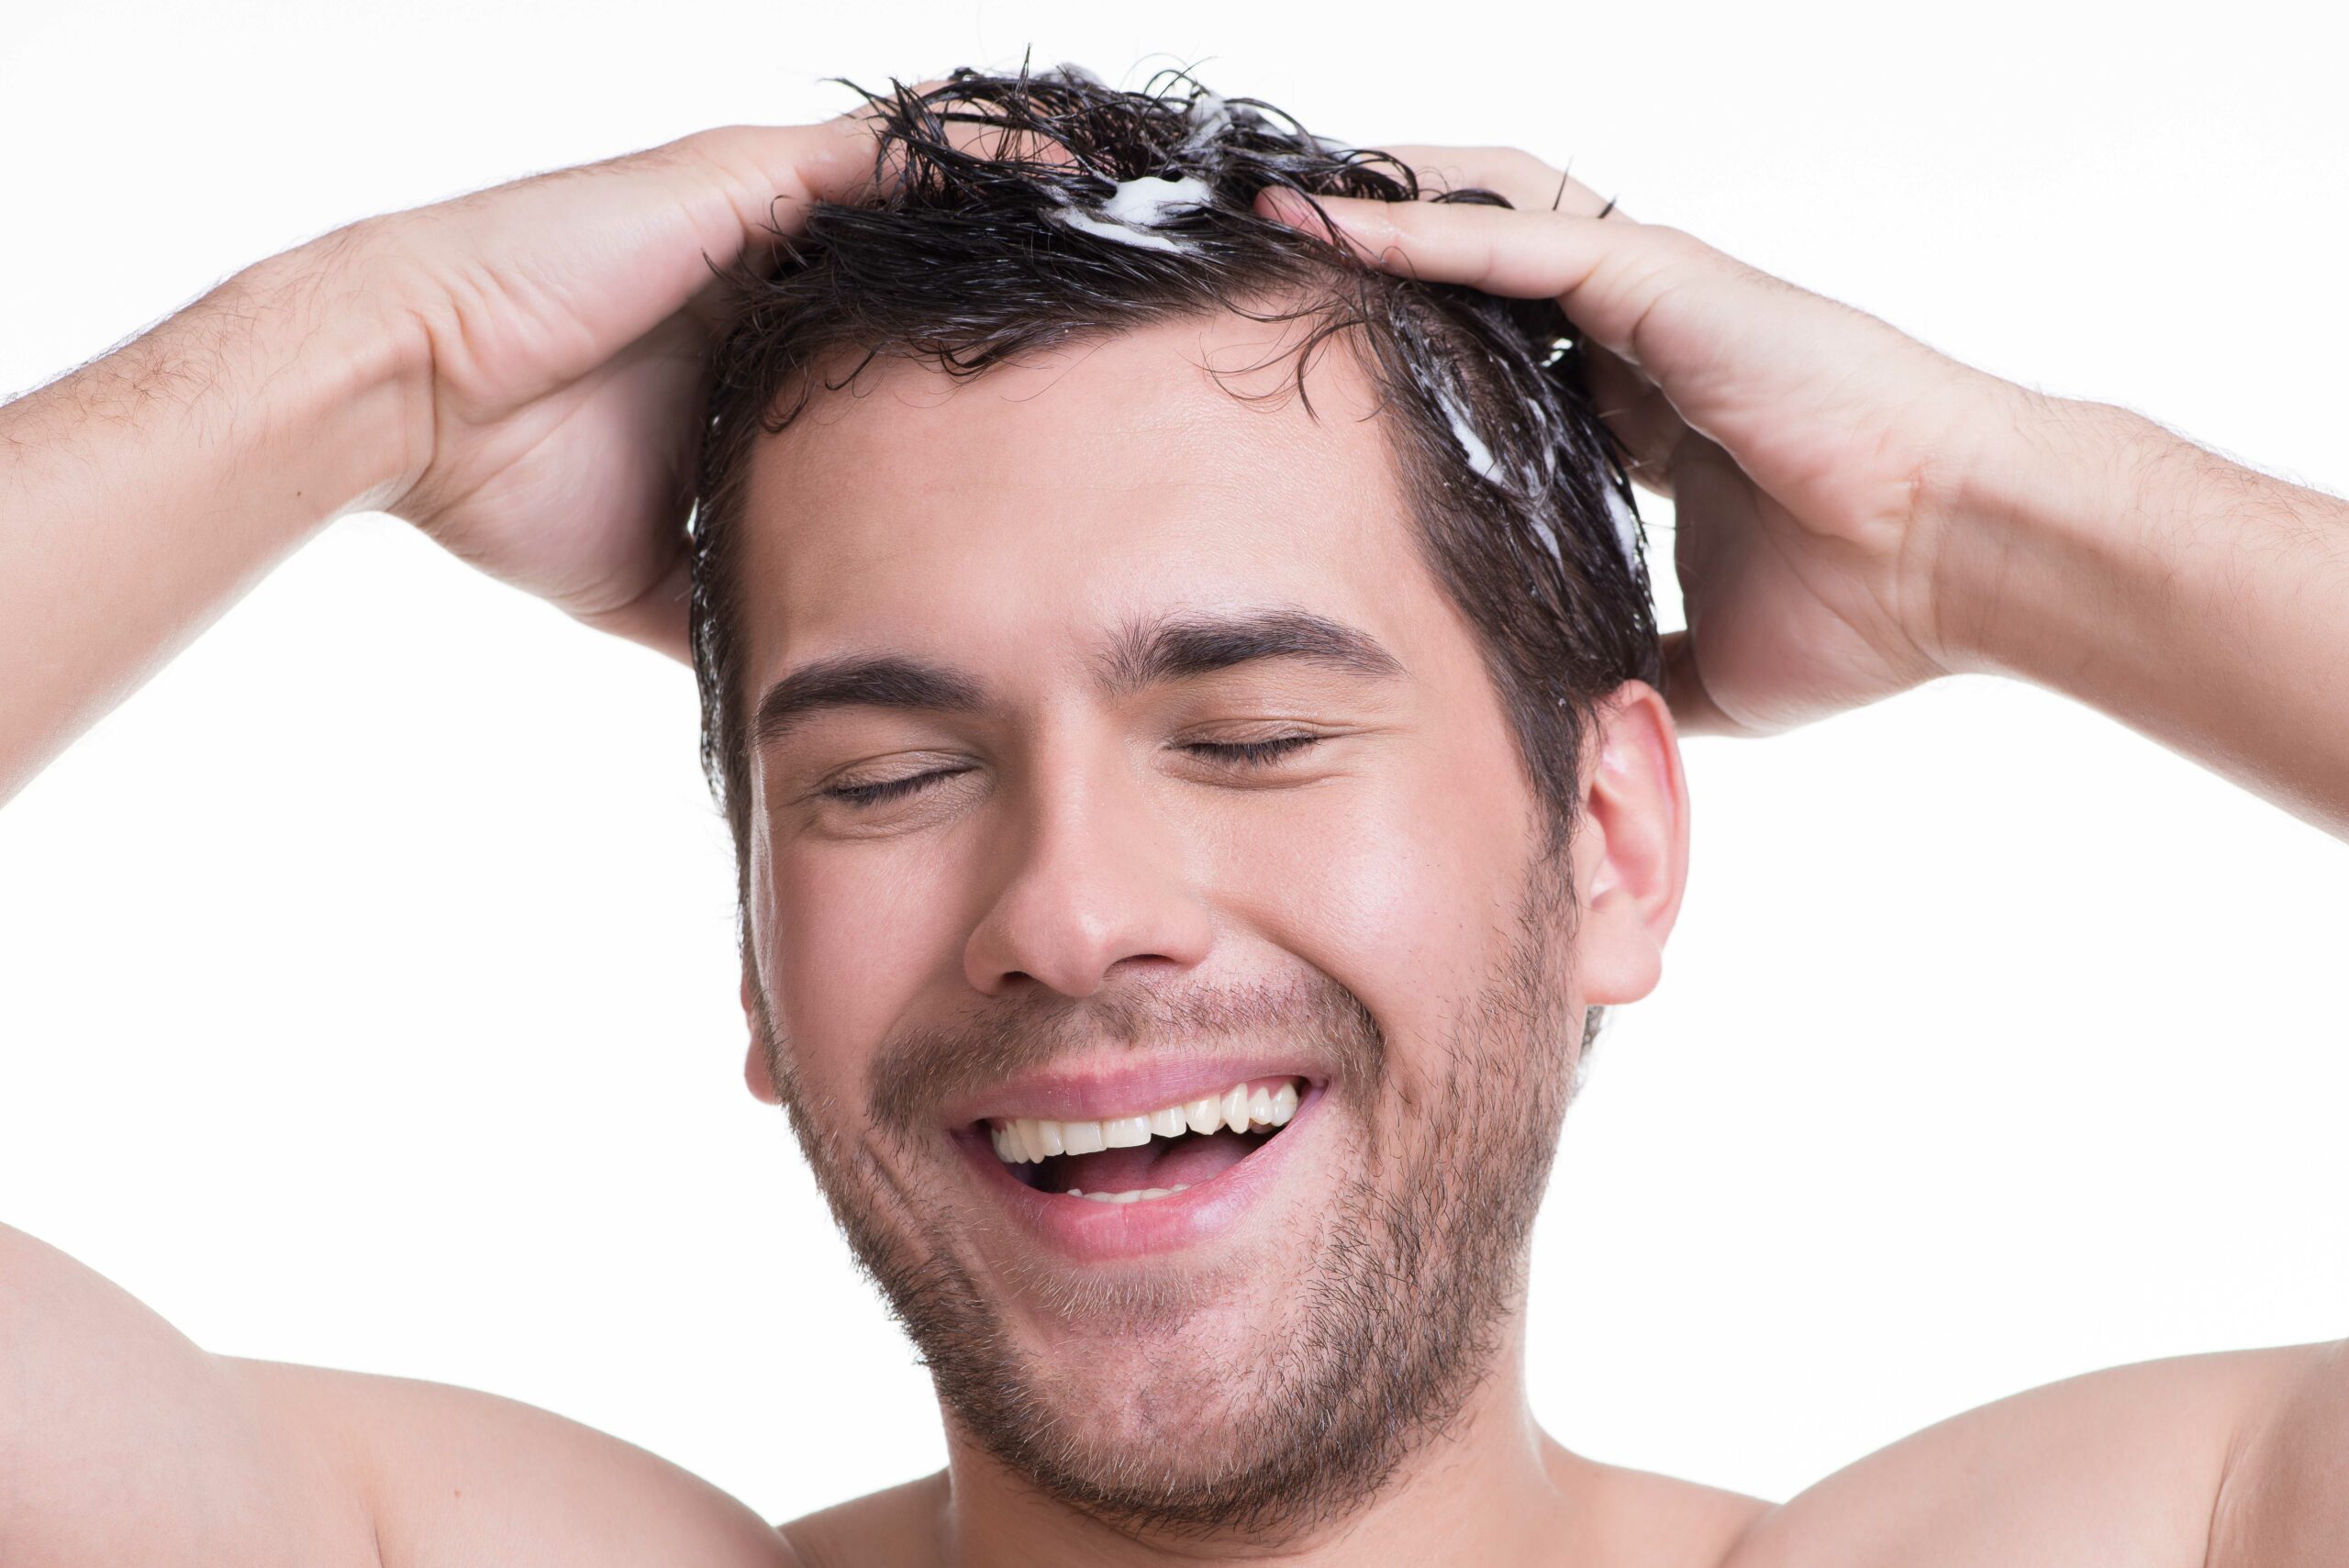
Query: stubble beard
[1417, 1263]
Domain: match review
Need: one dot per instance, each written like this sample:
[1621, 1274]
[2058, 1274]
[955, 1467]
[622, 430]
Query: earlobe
[1631, 850]
[758, 1073]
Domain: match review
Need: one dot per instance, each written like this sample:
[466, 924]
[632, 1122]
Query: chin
[1133, 1359]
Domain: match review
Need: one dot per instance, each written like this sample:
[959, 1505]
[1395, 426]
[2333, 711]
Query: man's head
[1147, 653]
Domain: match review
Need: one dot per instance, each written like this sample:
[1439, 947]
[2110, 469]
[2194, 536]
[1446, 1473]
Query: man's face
[1116, 752]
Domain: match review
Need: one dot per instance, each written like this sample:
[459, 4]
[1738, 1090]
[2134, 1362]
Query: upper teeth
[1023, 1139]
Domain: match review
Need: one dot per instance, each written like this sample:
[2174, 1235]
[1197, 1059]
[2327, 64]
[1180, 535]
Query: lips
[1148, 1155]
[1151, 1183]
[1110, 1087]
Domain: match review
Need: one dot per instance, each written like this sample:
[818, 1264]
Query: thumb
[657, 617]
[1693, 708]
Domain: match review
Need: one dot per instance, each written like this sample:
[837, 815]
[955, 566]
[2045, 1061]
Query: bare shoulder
[2286, 1500]
[455, 1476]
[123, 1442]
[897, 1528]
[2200, 1461]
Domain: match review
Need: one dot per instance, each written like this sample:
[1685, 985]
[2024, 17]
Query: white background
[366, 982]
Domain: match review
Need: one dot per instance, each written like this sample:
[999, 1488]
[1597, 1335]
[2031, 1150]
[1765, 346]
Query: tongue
[1181, 1162]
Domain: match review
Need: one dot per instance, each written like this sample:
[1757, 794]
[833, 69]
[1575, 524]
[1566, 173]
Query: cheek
[1403, 888]
[848, 940]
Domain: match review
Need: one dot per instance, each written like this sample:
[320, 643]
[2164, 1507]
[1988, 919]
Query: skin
[1857, 515]
[1007, 530]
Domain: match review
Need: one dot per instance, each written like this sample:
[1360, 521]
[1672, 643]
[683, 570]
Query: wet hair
[1017, 214]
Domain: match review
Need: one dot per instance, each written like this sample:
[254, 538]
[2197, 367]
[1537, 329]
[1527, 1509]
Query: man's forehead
[1097, 485]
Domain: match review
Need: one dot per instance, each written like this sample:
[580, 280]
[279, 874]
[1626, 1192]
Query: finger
[787, 168]
[1693, 709]
[1643, 419]
[770, 178]
[1607, 274]
[1530, 182]
[791, 168]
[781, 171]
[634, 239]
[977, 126]
[659, 618]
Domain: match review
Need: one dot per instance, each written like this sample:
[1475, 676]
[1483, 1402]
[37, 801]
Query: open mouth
[1149, 1155]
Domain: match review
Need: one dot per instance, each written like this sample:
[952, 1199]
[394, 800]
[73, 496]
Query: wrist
[2045, 551]
[323, 383]
[142, 494]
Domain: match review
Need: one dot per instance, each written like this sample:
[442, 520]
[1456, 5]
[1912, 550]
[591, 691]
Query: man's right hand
[553, 334]
[516, 371]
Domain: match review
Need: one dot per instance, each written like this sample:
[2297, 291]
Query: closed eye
[1242, 753]
[1253, 753]
[868, 794]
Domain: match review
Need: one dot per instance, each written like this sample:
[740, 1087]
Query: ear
[756, 1072]
[1631, 846]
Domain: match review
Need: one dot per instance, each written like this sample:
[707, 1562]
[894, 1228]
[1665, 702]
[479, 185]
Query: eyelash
[1247, 753]
[864, 795]
[1253, 754]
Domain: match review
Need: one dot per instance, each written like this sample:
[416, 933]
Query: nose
[1088, 879]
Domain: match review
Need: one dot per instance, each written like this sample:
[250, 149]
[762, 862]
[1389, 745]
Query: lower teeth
[1127, 1197]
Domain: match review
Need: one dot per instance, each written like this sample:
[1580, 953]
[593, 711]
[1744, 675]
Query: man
[1185, 828]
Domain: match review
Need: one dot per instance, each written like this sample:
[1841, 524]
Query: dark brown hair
[989, 238]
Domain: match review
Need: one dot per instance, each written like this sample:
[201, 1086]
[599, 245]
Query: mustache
[923, 1067]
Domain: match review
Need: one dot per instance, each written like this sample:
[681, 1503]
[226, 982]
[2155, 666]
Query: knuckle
[718, 142]
[717, 148]
[1676, 249]
[716, 160]
[681, 152]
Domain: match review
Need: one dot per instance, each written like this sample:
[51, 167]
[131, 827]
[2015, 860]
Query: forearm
[142, 494]
[2196, 601]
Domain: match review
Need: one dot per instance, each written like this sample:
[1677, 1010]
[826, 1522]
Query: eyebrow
[859, 681]
[1177, 648]
[1172, 647]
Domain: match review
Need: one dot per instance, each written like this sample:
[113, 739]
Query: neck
[1492, 1488]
